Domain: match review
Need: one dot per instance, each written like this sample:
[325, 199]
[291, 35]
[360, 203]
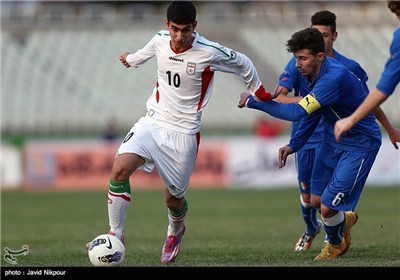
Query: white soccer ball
[106, 250]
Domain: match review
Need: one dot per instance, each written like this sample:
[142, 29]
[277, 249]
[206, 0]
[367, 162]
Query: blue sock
[310, 218]
[335, 233]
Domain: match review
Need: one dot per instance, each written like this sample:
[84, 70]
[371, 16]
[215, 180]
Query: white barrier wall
[253, 163]
[11, 167]
[386, 169]
[236, 162]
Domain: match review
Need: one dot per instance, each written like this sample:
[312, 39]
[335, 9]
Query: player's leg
[341, 196]
[334, 222]
[321, 176]
[135, 152]
[304, 164]
[175, 164]
[119, 193]
[177, 209]
[353, 170]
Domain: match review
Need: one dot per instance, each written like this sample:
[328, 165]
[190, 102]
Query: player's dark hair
[394, 6]
[326, 18]
[309, 38]
[181, 12]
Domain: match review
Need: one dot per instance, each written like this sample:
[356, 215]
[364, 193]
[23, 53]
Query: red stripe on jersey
[198, 140]
[262, 94]
[127, 198]
[157, 93]
[206, 78]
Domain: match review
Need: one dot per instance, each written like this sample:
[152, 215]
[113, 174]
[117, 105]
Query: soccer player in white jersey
[167, 137]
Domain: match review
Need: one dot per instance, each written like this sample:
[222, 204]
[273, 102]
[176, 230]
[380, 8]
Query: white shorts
[172, 153]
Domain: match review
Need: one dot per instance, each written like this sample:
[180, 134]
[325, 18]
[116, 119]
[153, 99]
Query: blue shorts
[304, 164]
[339, 176]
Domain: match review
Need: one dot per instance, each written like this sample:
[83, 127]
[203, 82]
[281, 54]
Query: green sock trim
[120, 187]
[181, 212]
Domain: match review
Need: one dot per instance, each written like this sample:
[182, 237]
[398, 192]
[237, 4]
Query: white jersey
[185, 80]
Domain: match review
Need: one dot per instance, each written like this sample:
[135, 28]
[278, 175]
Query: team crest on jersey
[191, 68]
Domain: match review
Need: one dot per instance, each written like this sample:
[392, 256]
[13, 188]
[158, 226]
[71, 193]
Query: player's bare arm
[394, 134]
[283, 154]
[122, 58]
[281, 95]
[243, 99]
[278, 91]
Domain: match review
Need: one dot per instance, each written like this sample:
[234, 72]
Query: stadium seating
[58, 13]
[144, 12]
[95, 13]
[61, 74]
[263, 11]
[218, 11]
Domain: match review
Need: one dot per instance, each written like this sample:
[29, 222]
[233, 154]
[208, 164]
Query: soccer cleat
[351, 220]
[122, 238]
[331, 251]
[171, 247]
[305, 241]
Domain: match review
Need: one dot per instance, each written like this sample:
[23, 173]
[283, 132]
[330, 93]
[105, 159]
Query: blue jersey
[335, 93]
[391, 74]
[291, 79]
[354, 67]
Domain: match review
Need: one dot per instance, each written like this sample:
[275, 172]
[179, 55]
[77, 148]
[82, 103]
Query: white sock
[118, 205]
[334, 220]
[175, 225]
[177, 220]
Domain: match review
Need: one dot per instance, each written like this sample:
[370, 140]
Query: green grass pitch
[224, 228]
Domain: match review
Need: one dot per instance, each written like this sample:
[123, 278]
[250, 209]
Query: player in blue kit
[390, 78]
[341, 168]
[290, 80]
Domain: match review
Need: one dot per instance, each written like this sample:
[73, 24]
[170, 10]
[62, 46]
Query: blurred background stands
[61, 74]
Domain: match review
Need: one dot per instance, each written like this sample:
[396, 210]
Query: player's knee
[120, 172]
[305, 198]
[315, 201]
[124, 165]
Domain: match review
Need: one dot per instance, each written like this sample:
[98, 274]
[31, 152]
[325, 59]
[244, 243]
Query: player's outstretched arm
[394, 134]
[374, 99]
